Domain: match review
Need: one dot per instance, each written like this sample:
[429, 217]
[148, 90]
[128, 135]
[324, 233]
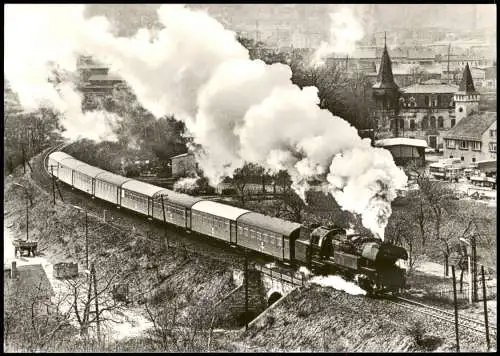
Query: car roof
[177, 198]
[218, 209]
[141, 187]
[112, 178]
[280, 226]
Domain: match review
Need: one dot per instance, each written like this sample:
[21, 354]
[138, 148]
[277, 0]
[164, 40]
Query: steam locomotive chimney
[13, 270]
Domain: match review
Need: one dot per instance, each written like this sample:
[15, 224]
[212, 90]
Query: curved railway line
[444, 315]
[122, 221]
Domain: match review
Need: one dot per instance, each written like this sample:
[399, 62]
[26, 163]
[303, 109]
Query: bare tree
[245, 175]
[33, 320]
[84, 296]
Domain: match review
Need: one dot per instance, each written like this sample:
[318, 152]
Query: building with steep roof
[473, 139]
[386, 96]
[425, 110]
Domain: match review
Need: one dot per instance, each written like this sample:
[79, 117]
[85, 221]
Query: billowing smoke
[186, 185]
[41, 40]
[338, 283]
[239, 110]
[345, 31]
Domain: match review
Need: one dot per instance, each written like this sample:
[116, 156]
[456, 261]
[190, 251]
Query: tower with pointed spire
[386, 95]
[466, 98]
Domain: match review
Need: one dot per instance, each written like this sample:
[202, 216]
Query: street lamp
[86, 235]
[28, 197]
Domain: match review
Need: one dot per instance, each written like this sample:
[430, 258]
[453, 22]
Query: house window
[401, 124]
[452, 124]
[462, 158]
[493, 133]
[412, 124]
[460, 109]
[433, 122]
[425, 123]
[451, 156]
[427, 100]
[493, 147]
[473, 159]
[440, 122]
[450, 143]
[463, 145]
[476, 146]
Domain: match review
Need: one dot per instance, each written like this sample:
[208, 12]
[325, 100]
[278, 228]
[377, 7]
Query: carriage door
[232, 227]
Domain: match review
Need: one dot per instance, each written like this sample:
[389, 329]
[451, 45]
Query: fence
[491, 293]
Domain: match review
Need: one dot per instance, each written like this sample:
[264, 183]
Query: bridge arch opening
[273, 298]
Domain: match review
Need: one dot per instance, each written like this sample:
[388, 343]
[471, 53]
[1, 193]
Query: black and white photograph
[250, 178]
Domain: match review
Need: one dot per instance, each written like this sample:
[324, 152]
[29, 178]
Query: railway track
[444, 315]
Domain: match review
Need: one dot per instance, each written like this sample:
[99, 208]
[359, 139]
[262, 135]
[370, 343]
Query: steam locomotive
[369, 261]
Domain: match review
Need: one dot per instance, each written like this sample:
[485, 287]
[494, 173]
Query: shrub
[417, 332]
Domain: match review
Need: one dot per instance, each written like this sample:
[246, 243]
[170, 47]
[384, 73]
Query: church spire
[385, 78]
[467, 84]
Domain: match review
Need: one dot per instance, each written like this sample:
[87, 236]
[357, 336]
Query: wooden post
[246, 290]
[474, 269]
[456, 306]
[53, 185]
[86, 241]
[24, 159]
[93, 276]
[488, 344]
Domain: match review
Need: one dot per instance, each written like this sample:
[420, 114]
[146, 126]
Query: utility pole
[24, 158]
[456, 306]
[93, 276]
[474, 268]
[53, 184]
[86, 240]
[28, 198]
[486, 327]
[246, 290]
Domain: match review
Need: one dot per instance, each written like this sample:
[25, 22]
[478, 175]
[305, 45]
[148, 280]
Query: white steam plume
[338, 283]
[239, 110]
[186, 185]
[345, 31]
[39, 39]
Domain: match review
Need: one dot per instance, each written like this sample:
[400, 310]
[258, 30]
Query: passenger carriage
[107, 187]
[268, 235]
[173, 207]
[54, 160]
[84, 177]
[215, 219]
[138, 196]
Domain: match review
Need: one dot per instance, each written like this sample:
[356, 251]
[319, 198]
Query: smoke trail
[186, 185]
[41, 40]
[239, 110]
[338, 283]
[345, 31]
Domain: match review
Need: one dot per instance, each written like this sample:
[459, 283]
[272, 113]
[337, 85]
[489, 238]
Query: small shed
[405, 150]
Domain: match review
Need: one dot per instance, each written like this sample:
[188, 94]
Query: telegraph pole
[86, 240]
[474, 268]
[53, 184]
[456, 307]
[449, 47]
[93, 276]
[486, 327]
[246, 290]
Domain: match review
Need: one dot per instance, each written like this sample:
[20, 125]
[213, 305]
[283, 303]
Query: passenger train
[367, 260]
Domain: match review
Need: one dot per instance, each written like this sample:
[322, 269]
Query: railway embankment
[324, 319]
[168, 284]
